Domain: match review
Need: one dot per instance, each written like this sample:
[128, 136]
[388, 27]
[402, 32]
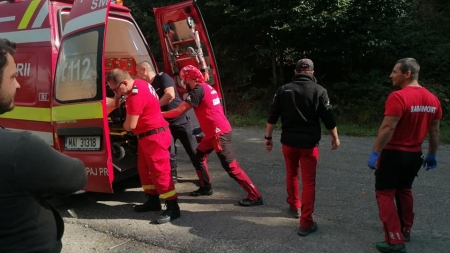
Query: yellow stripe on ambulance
[28, 14]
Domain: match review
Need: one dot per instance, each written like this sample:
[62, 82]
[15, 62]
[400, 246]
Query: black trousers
[397, 169]
[183, 132]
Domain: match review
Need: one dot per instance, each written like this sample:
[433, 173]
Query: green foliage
[354, 45]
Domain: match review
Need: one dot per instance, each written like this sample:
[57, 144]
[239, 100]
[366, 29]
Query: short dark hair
[6, 47]
[117, 75]
[410, 64]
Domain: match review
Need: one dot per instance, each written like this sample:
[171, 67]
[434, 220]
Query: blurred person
[31, 172]
[144, 119]
[218, 132]
[301, 104]
[410, 113]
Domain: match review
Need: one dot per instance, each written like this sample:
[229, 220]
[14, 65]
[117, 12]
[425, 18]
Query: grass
[259, 121]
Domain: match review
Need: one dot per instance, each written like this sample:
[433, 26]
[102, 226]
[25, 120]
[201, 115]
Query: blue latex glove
[372, 161]
[430, 162]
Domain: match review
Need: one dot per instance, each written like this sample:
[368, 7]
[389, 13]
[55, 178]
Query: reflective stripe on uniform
[28, 14]
[168, 194]
[148, 187]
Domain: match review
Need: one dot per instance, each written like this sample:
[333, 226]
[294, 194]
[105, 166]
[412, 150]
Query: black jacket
[301, 105]
[31, 170]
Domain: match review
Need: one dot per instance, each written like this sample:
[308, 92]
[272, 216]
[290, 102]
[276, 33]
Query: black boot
[153, 203]
[174, 175]
[171, 213]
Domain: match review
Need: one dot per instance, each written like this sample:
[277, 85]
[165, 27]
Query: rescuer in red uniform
[144, 119]
[409, 115]
[209, 111]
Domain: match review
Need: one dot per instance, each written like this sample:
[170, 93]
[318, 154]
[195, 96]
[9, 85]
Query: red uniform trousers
[154, 165]
[393, 181]
[308, 158]
[221, 144]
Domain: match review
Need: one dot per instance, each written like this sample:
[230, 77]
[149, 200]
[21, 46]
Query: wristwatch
[268, 138]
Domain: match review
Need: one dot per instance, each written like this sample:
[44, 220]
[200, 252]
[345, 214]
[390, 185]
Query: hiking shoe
[385, 247]
[295, 212]
[207, 191]
[407, 238]
[306, 231]
[248, 202]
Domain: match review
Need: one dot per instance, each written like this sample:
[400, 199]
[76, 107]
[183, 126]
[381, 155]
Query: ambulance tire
[118, 152]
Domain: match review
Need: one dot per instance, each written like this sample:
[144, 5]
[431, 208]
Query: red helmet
[192, 72]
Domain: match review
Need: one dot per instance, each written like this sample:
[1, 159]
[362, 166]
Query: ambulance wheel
[118, 152]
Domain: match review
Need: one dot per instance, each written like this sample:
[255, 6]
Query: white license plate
[82, 143]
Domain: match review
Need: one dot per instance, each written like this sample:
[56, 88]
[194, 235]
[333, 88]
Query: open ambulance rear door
[185, 41]
[78, 106]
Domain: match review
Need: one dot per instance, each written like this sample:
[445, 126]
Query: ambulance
[65, 48]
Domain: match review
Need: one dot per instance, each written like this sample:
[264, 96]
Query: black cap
[304, 65]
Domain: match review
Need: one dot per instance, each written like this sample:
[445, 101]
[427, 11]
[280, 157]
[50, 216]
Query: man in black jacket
[31, 171]
[301, 104]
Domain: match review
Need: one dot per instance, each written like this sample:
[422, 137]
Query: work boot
[202, 191]
[171, 213]
[306, 231]
[153, 203]
[248, 202]
[174, 175]
[385, 247]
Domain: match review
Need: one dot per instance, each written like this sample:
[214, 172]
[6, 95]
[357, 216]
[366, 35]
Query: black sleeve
[326, 111]
[274, 111]
[166, 81]
[40, 168]
[195, 96]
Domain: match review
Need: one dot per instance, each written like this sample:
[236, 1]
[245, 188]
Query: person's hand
[335, 143]
[430, 162]
[268, 144]
[373, 159]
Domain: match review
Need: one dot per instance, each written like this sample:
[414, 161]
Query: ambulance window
[78, 64]
[124, 46]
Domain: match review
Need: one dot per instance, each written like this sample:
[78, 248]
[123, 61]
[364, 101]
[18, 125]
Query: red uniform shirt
[145, 104]
[209, 110]
[416, 107]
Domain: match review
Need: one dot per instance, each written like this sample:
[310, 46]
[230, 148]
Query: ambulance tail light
[56, 142]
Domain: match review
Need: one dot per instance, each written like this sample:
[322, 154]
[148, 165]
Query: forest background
[353, 43]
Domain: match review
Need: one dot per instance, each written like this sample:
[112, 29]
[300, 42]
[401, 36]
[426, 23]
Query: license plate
[88, 143]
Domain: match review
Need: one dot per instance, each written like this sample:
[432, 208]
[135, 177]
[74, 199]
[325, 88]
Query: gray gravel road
[346, 210]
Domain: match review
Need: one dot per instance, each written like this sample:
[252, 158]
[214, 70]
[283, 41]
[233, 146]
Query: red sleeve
[395, 105]
[135, 104]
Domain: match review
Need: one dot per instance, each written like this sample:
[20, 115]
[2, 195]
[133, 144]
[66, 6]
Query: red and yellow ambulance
[64, 51]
